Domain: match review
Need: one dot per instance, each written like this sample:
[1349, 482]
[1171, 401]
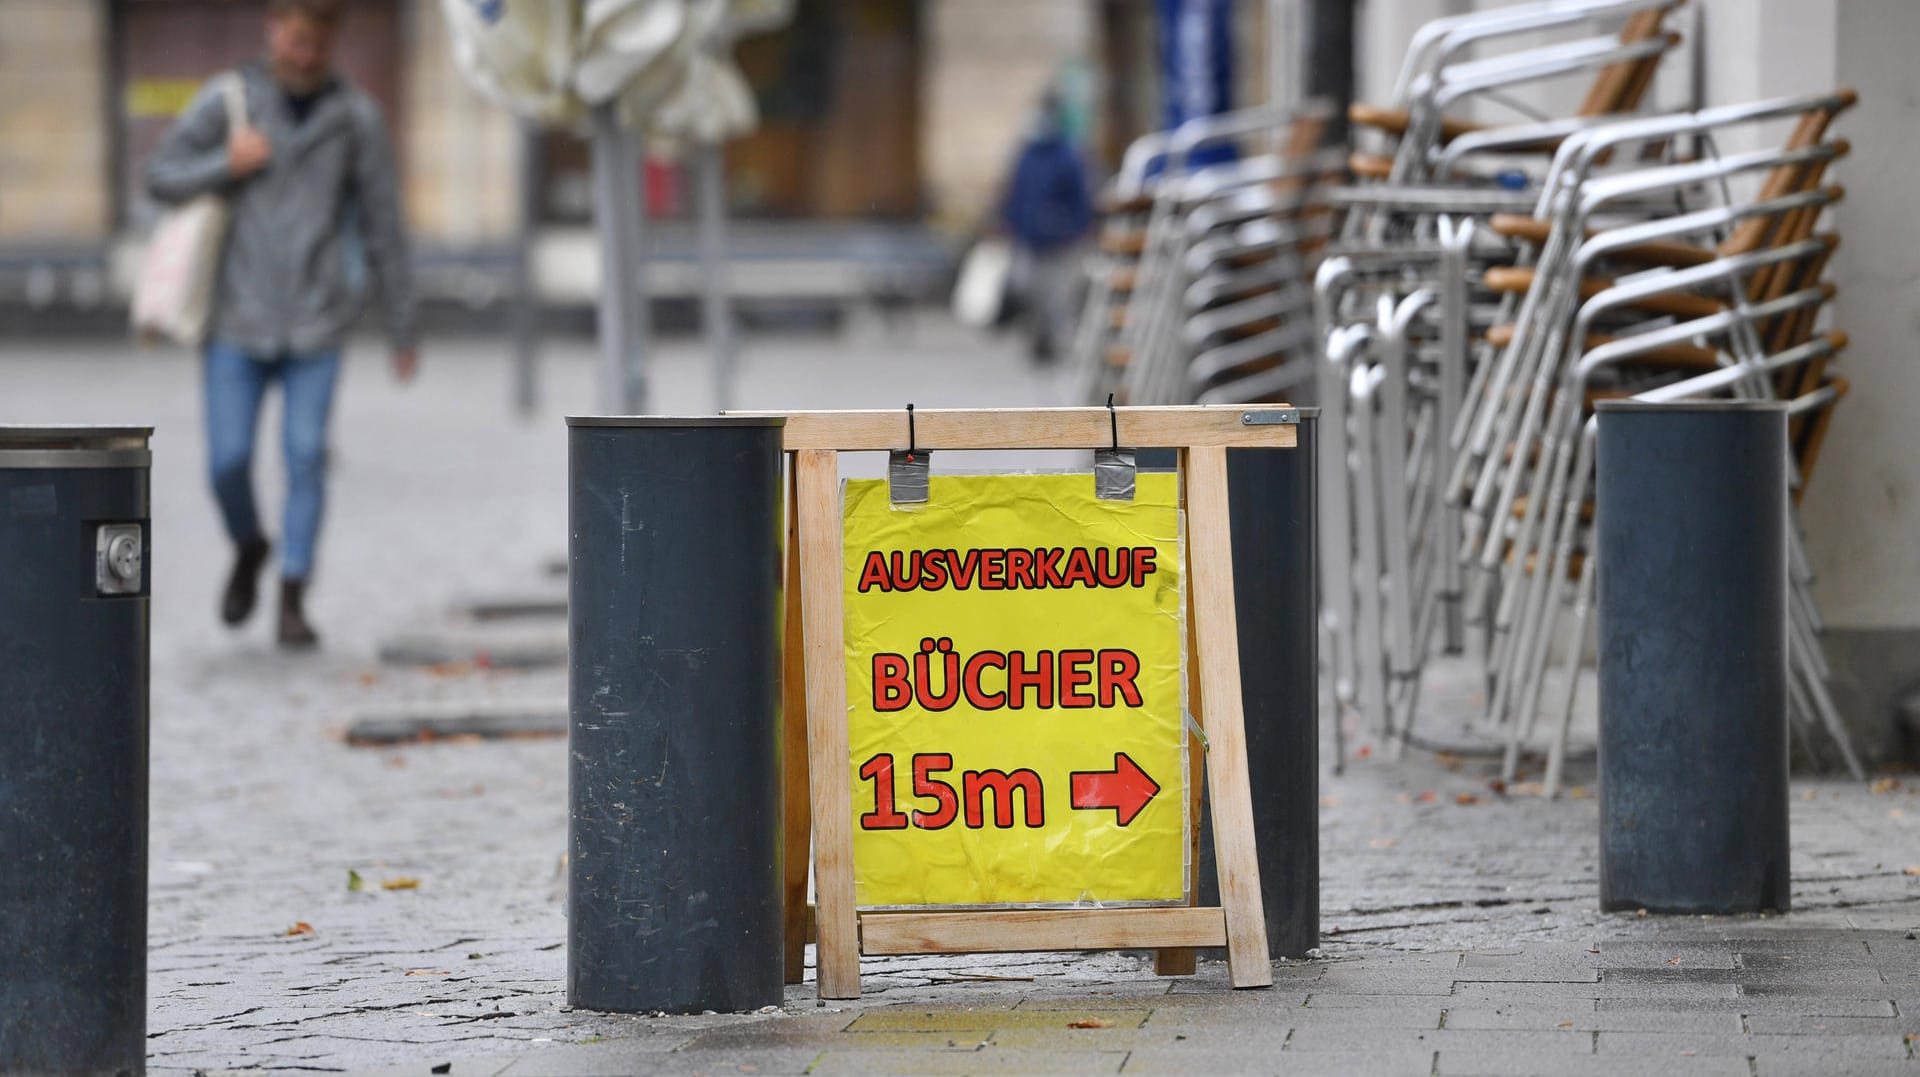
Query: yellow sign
[1015, 693]
[159, 98]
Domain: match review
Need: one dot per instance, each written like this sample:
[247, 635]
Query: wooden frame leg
[796, 826]
[817, 502]
[1186, 962]
[1210, 553]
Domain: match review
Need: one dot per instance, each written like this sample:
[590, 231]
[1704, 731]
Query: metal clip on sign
[1113, 468]
[1274, 417]
[907, 470]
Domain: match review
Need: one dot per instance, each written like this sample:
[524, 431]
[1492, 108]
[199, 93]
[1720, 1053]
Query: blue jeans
[235, 384]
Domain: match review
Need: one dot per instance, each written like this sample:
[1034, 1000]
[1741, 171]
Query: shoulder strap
[235, 92]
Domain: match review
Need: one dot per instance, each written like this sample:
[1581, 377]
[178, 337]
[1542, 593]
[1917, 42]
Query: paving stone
[612, 1061]
[1333, 1000]
[754, 1038]
[1360, 980]
[1127, 1039]
[1907, 1024]
[986, 1020]
[986, 1061]
[1068, 998]
[1655, 955]
[487, 1066]
[1201, 1060]
[1832, 1067]
[1474, 1063]
[1679, 1043]
[1232, 1004]
[1826, 1006]
[1551, 1041]
[1803, 958]
[1521, 1017]
[1809, 975]
[1533, 963]
[1419, 1015]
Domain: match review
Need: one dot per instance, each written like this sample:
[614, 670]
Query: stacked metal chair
[1199, 287]
[1474, 307]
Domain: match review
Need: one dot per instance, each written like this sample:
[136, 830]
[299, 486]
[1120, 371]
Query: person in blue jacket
[1047, 211]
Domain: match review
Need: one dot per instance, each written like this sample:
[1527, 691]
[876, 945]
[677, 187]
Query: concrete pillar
[53, 109]
[984, 66]
[1862, 511]
[460, 154]
[1381, 33]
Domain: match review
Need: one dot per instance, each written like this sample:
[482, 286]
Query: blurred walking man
[1047, 211]
[312, 162]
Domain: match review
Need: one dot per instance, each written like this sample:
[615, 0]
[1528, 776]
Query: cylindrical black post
[1692, 540]
[73, 749]
[1329, 59]
[1271, 493]
[674, 885]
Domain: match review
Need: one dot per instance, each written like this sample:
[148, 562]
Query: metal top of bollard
[679, 421]
[74, 437]
[74, 446]
[1605, 406]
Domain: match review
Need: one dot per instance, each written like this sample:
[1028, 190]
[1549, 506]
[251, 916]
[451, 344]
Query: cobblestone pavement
[1461, 933]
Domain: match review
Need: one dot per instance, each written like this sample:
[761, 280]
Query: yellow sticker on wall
[1015, 693]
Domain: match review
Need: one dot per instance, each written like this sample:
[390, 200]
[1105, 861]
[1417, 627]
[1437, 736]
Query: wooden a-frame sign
[818, 787]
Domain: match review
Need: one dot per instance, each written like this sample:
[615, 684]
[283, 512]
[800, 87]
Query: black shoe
[295, 632]
[243, 583]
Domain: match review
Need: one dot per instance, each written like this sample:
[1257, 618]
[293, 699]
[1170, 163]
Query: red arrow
[1126, 788]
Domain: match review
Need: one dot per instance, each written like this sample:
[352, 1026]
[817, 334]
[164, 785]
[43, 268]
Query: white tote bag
[980, 288]
[173, 294]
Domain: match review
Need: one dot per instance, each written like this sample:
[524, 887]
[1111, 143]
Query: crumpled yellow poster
[1014, 693]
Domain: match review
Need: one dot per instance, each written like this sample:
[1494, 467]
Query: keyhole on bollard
[118, 560]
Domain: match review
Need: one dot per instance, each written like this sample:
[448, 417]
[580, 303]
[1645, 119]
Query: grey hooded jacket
[284, 286]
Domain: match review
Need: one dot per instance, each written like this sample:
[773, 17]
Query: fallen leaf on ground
[1365, 751]
[396, 760]
[428, 972]
[1528, 789]
[1449, 760]
[1496, 786]
[1328, 802]
[1673, 961]
[1465, 798]
[1883, 786]
[301, 928]
[1578, 792]
[1914, 870]
[1091, 1022]
[1564, 1024]
[404, 882]
[1382, 843]
[369, 679]
[1641, 913]
[354, 881]
[1427, 797]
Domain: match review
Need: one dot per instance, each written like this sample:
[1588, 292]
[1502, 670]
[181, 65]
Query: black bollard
[1692, 539]
[1272, 493]
[674, 897]
[74, 534]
